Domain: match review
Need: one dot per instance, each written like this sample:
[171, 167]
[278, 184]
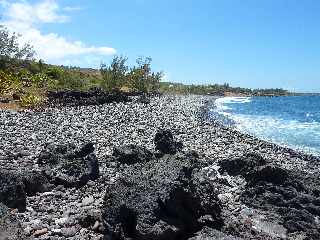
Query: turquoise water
[289, 121]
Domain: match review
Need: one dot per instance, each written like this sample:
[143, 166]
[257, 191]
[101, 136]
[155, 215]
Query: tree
[114, 76]
[11, 50]
[142, 78]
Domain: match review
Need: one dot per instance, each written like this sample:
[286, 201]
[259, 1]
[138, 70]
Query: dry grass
[10, 106]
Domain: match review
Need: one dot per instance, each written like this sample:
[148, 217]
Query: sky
[246, 43]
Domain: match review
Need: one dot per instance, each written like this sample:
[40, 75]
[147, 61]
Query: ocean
[292, 121]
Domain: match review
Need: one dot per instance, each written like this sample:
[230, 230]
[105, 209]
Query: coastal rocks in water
[12, 190]
[69, 166]
[94, 96]
[165, 142]
[160, 199]
[131, 154]
[10, 228]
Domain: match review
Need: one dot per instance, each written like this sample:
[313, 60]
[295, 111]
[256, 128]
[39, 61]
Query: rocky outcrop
[68, 165]
[165, 142]
[291, 194]
[161, 199]
[131, 154]
[12, 190]
[242, 165]
[35, 182]
[94, 96]
[10, 228]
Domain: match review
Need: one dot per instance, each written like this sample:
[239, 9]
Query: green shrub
[39, 79]
[31, 100]
[55, 72]
[8, 82]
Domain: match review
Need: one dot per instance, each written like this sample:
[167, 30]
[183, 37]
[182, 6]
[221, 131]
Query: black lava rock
[161, 199]
[35, 182]
[94, 96]
[165, 142]
[242, 165]
[12, 190]
[131, 154]
[69, 166]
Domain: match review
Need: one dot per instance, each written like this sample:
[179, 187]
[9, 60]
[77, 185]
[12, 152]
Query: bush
[114, 76]
[8, 82]
[31, 100]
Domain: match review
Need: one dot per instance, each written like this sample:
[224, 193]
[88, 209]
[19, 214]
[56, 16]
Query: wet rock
[131, 154]
[10, 228]
[12, 190]
[160, 199]
[165, 143]
[69, 166]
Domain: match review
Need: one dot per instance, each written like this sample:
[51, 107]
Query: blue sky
[247, 43]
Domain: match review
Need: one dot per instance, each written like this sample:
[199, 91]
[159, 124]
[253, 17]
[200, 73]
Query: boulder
[242, 165]
[68, 165]
[165, 142]
[35, 182]
[12, 190]
[10, 228]
[131, 154]
[161, 199]
[269, 173]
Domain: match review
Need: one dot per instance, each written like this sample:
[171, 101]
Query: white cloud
[44, 11]
[23, 18]
[72, 9]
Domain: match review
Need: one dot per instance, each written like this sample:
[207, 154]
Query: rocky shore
[156, 169]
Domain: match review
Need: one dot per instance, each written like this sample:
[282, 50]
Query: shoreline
[233, 126]
[116, 124]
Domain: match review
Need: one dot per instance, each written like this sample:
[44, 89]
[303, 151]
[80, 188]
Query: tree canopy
[11, 50]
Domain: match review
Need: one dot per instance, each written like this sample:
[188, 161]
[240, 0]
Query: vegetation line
[27, 81]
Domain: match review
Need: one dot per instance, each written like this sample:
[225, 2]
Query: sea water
[292, 121]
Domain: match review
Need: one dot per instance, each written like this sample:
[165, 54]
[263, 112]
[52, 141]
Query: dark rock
[242, 165]
[274, 189]
[12, 190]
[211, 234]
[69, 166]
[131, 154]
[89, 218]
[160, 199]
[10, 228]
[35, 182]
[95, 96]
[165, 143]
[144, 99]
[4, 100]
[269, 173]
